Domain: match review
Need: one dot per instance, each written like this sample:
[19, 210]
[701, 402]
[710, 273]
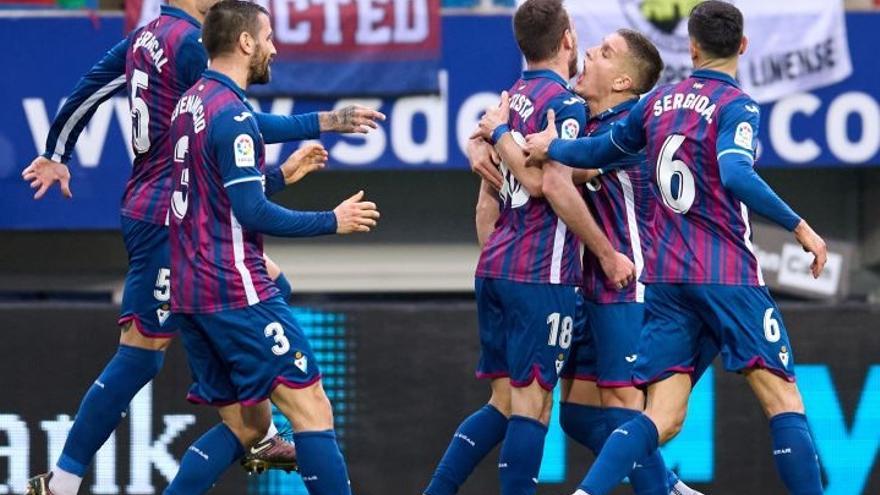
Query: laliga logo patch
[244, 151]
[570, 129]
[783, 356]
[744, 135]
[300, 361]
[163, 313]
[560, 360]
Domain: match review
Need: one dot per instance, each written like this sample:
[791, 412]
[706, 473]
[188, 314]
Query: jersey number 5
[140, 113]
[675, 179]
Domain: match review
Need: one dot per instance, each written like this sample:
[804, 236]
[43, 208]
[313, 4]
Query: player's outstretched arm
[285, 128]
[101, 82]
[626, 138]
[493, 127]
[569, 205]
[488, 211]
[255, 212]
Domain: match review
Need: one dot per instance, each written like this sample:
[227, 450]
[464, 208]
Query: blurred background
[391, 313]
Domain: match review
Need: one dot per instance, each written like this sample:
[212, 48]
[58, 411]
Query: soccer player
[703, 281]
[529, 268]
[625, 65]
[155, 64]
[243, 344]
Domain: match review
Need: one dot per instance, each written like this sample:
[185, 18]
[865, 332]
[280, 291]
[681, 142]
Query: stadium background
[391, 314]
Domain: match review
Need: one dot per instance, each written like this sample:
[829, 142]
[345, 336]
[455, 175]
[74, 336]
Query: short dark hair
[646, 59]
[717, 27]
[225, 22]
[539, 26]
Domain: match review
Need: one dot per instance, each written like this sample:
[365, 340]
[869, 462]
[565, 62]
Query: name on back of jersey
[191, 104]
[522, 105]
[150, 43]
[690, 101]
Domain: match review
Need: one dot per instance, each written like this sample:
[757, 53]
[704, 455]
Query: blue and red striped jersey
[530, 243]
[620, 201]
[216, 264]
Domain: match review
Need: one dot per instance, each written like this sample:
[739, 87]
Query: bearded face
[259, 71]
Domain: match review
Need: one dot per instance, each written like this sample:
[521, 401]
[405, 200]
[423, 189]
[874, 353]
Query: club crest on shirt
[244, 151]
[570, 129]
[743, 136]
[300, 361]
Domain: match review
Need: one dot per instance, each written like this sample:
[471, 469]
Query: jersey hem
[525, 280]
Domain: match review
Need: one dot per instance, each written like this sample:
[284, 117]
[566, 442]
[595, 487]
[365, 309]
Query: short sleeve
[235, 142]
[738, 128]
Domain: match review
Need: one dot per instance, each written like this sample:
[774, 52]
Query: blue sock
[521, 454]
[585, 424]
[105, 403]
[649, 477]
[205, 461]
[628, 443]
[795, 454]
[473, 440]
[321, 464]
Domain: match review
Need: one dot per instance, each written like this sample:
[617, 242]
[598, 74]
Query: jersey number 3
[180, 196]
[675, 179]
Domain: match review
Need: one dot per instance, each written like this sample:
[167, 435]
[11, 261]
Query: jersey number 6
[670, 170]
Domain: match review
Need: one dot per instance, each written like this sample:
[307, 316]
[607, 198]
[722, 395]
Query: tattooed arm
[353, 118]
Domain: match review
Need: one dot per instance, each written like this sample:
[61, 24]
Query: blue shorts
[608, 350]
[685, 324]
[241, 355]
[526, 330]
[147, 283]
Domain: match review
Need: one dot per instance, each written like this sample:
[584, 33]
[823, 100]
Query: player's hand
[351, 119]
[619, 270]
[302, 162]
[493, 117]
[355, 215]
[43, 172]
[538, 144]
[484, 162]
[812, 243]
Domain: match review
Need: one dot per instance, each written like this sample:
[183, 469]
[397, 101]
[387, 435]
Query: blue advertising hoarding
[838, 126]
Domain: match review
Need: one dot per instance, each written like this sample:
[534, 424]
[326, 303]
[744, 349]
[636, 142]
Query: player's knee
[669, 424]
[623, 398]
[784, 401]
[500, 398]
[528, 401]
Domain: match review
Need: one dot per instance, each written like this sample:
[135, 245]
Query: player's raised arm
[494, 128]
[736, 150]
[102, 81]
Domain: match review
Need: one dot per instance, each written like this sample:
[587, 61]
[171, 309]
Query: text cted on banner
[354, 47]
[811, 51]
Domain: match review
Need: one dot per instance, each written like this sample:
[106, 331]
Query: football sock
[321, 464]
[205, 461]
[584, 424]
[795, 455]
[64, 483]
[628, 443]
[521, 454]
[649, 476]
[473, 440]
[273, 430]
[105, 403]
